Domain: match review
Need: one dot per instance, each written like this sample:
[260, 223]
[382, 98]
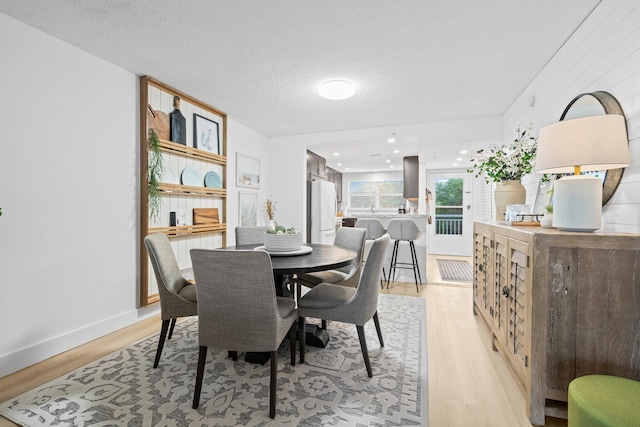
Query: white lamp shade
[594, 143]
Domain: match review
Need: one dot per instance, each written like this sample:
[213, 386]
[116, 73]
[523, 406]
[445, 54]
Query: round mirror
[595, 104]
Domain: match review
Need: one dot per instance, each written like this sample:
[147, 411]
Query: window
[381, 195]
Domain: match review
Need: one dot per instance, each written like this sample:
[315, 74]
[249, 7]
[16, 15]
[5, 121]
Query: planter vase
[271, 224]
[508, 193]
[546, 221]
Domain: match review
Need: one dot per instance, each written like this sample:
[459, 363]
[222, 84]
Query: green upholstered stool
[604, 401]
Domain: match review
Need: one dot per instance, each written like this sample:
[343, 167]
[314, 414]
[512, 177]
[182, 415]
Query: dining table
[319, 257]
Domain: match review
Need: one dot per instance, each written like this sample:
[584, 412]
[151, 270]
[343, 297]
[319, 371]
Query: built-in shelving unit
[176, 197]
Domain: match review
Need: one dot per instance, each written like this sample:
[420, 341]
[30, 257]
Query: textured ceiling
[261, 61]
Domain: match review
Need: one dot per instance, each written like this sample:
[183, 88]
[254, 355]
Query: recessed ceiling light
[458, 158]
[455, 164]
[346, 169]
[396, 151]
[463, 151]
[336, 154]
[392, 138]
[391, 166]
[388, 161]
[339, 164]
[337, 90]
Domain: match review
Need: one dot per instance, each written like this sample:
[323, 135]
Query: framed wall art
[205, 134]
[247, 209]
[247, 171]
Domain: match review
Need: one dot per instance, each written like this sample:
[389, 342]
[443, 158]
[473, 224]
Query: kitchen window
[380, 195]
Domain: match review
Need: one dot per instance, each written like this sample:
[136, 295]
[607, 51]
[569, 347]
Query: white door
[450, 208]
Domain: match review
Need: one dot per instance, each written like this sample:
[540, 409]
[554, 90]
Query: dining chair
[375, 229]
[343, 304]
[177, 294]
[347, 238]
[238, 309]
[246, 235]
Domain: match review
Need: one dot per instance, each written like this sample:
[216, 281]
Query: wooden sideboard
[559, 305]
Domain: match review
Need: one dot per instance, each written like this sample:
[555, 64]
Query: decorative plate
[212, 180]
[168, 177]
[302, 251]
[190, 176]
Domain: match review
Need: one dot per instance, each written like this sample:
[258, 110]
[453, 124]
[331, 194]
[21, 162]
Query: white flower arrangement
[506, 162]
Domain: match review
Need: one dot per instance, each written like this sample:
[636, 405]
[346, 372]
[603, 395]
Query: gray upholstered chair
[250, 235]
[347, 238]
[348, 305]
[238, 309]
[375, 229]
[177, 295]
[404, 230]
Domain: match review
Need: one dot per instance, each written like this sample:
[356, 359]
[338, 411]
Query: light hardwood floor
[469, 384]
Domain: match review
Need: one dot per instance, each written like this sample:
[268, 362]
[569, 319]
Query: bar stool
[375, 230]
[404, 230]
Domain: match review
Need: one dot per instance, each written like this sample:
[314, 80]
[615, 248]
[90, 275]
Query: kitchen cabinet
[335, 177]
[316, 166]
[410, 173]
[558, 305]
[349, 222]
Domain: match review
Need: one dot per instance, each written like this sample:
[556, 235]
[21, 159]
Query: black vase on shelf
[178, 123]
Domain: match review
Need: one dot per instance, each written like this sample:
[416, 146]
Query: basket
[282, 242]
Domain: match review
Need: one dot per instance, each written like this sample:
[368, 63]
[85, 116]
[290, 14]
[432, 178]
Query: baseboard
[13, 362]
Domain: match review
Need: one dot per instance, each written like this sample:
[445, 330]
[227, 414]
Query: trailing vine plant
[156, 167]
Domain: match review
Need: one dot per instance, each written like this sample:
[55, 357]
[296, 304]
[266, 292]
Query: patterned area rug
[331, 388]
[455, 270]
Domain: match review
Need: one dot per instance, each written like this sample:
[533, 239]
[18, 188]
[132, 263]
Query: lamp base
[577, 203]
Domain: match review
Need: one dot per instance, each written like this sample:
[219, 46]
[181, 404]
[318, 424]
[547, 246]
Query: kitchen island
[404, 255]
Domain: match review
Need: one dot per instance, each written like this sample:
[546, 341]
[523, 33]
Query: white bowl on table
[283, 242]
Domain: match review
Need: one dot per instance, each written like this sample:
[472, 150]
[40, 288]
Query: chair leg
[323, 324]
[292, 343]
[365, 352]
[233, 355]
[202, 357]
[273, 383]
[302, 337]
[378, 330]
[394, 259]
[163, 335]
[173, 325]
[416, 266]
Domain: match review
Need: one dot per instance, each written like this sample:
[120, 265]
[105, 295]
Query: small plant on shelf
[156, 167]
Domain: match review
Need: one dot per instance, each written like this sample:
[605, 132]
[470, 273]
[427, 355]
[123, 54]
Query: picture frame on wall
[247, 171]
[206, 135]
[247, 209]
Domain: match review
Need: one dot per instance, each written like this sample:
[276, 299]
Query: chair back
[237, 306]
[366, 296]
[373, 226]
[246, 235]
[353, 239]
[168, 275]
[403, 229]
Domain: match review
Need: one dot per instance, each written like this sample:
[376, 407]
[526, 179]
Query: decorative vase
[547, 220]
[271, 224]
[508, 193]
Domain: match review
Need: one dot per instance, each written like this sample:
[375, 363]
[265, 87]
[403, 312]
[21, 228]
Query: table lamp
[594, 143]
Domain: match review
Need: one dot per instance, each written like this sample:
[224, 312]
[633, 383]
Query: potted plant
[505, 165]
[154, 174]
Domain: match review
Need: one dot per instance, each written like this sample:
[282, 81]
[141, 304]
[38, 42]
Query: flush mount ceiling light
[392, 138]
[337, 90]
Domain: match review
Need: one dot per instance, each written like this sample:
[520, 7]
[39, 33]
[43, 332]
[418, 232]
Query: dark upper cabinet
[335, 177]
[410, 172]
[316, 166]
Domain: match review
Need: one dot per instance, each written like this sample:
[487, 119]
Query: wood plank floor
[469, 384]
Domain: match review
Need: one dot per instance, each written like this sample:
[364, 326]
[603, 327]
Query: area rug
[455, 270]
[330, 389]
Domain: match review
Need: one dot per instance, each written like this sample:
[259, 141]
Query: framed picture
[248, 209]
[247, 171]
[205, 134]
[543, 197]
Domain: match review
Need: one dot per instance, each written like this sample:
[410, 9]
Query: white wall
[69, 193]
[603, 54]
[69, 196]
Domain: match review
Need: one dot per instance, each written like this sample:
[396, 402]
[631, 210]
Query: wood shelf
[188, 190]
[186, 230]
[194, 153]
